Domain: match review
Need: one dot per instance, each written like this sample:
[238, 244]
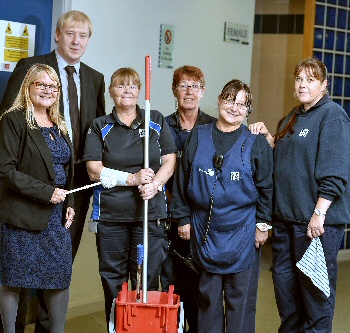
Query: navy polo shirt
[121, 147]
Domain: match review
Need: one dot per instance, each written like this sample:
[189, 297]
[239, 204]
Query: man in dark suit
[73, 33]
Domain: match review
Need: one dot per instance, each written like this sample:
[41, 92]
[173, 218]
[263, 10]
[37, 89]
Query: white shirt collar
[62, 63]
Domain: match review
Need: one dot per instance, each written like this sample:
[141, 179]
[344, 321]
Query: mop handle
[148, 78]
[146, 165]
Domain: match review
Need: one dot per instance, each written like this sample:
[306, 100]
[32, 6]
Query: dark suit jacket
[92, 102]
[27, 174]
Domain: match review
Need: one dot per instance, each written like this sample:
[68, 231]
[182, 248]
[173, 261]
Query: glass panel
[341, 19]
[331, 16]
[320, 10]
[328, 61]
[337, 89]
[340, 41]
[347, 66]
[348, 42]
[318, 55]
[329, 40]
[347, 88]
[339, 64]
[346, 107]
[343, 3]
[318, 38]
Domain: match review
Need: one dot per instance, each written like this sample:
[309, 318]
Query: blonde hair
[75, 16]
[125, 76]
[23, 101]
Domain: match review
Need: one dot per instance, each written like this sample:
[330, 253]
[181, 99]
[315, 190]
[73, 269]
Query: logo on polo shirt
[304, 132]
[142, 132]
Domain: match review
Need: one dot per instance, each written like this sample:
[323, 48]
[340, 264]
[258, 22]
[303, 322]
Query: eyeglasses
[43, 86]
[231, 103]
[121, 87]
[184, 87]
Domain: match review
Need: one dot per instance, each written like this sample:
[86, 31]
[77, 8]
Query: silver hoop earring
[295, 95]
[176, 103]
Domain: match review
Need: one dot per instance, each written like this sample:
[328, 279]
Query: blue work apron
[229, 245]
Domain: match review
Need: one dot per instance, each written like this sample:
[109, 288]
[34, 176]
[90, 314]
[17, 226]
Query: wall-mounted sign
[17, 41]
[166, 46]
[236, 33]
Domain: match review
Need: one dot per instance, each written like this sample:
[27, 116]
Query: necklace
[42, 119]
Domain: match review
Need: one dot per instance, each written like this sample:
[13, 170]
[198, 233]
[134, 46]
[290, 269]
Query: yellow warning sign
[13, 42]
[25, 31]
[17, 41]
[14, 55]
[8, 29]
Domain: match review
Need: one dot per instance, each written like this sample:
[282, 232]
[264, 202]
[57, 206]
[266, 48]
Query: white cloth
[313, 264]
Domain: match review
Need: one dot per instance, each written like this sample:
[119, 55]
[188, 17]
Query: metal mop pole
[146, 165]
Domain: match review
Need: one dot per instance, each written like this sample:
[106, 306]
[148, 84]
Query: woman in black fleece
[312, 196]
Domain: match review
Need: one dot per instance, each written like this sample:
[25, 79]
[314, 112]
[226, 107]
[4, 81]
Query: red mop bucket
[158, 315]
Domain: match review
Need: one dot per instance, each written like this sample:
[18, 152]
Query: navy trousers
[117, 252]
[238, 291]
[302, 306]
[185, 280]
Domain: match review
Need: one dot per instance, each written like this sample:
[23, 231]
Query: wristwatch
[319, 212]
[263, 226]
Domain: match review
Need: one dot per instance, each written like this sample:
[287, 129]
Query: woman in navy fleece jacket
[312, 196]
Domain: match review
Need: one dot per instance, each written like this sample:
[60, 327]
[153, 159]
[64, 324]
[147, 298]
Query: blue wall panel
[36, 12]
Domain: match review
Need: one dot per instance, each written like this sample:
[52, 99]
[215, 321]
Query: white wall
[124, 33]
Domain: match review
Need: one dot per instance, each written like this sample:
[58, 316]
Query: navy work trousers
[238, 290]
[117, 252]
[302, 306]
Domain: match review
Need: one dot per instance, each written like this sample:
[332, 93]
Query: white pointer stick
[83, 188]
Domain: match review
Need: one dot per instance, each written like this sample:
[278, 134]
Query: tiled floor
[267, 320]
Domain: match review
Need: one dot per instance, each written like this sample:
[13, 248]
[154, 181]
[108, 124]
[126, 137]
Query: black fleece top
[313, 162]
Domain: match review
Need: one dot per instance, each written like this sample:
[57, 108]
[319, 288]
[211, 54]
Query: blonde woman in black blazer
[36, 171]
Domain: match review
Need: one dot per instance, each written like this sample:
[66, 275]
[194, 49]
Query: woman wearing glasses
[114, 151]
[223, 189]
[35, 170]
[188, 87]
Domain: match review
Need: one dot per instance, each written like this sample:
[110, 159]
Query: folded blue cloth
[313, 264]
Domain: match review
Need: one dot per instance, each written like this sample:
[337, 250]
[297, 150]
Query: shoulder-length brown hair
[314, 68]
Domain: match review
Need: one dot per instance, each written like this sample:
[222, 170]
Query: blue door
[36, 12]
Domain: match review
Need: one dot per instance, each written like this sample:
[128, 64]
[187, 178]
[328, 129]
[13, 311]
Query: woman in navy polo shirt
[114, 152]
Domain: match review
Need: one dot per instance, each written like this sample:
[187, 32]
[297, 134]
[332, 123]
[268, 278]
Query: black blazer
[92, 102]
[27, 174]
